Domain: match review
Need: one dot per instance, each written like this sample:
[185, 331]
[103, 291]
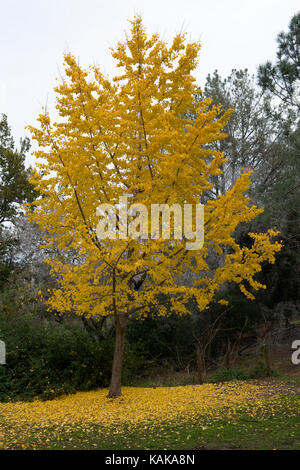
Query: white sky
[35, 33]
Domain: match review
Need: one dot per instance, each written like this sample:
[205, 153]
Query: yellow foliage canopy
[145, 135]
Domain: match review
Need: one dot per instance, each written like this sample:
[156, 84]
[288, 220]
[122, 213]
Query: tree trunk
[200, 365]
[228, 356]
[268, 359]
[116, 374]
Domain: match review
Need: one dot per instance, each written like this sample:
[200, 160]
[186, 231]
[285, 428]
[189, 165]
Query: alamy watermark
[296, 354]
[2, 352]
[115, 222]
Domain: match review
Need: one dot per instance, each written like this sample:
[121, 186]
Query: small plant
[256, 372]
[226, 375]
[260, 370]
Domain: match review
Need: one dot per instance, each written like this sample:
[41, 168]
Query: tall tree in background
[259, 138]
[14, 190]
[128, 136]
[252, 132]
[282, 79]
[282, 82]
[14, 185]
[263, 134]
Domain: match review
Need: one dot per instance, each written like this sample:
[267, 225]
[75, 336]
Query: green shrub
[226, 375]
[48, 358]
[257, 372]
[260, 370]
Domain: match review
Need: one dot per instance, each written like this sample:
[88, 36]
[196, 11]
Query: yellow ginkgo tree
[143, 138]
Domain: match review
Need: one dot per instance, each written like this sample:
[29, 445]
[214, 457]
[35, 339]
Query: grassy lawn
[235, 415]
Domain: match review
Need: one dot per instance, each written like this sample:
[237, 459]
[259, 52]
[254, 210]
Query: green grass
[250, 427]
[288, 379]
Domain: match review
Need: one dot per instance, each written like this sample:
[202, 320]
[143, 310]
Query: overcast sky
[34, 34]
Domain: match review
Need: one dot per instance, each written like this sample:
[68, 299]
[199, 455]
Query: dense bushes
[46, 358]
[172, 340]
[167, 340]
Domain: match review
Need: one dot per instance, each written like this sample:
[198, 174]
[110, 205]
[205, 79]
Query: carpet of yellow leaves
[138, 405]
